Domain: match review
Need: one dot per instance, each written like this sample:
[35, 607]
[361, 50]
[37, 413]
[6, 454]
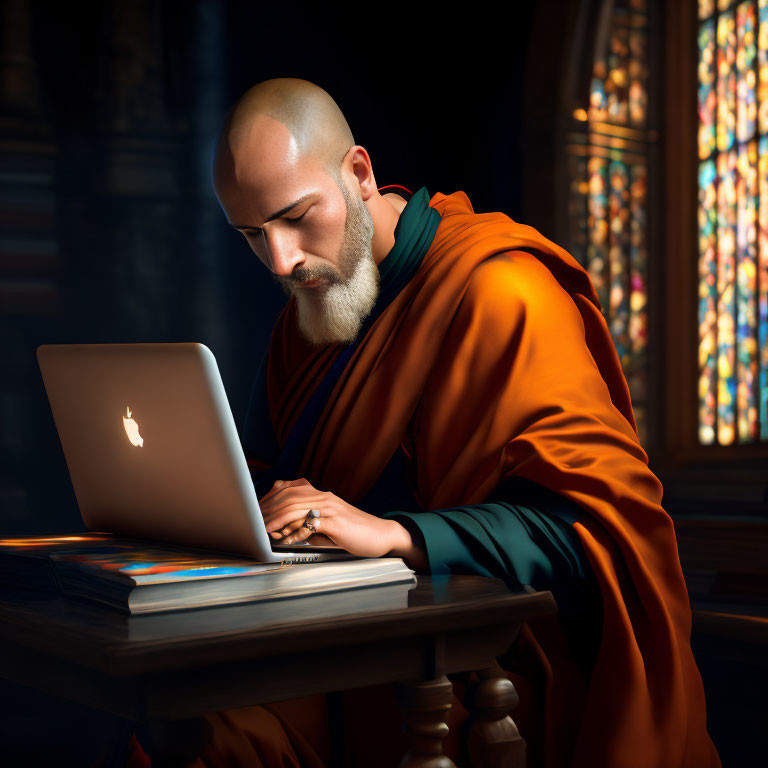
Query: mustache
[289, 283]
[302, 275]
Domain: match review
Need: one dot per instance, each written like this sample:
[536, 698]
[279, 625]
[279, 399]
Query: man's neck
[385, 218]
[397, 202]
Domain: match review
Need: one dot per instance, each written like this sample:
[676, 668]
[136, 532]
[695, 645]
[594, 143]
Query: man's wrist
[404, 546]
[400, 539]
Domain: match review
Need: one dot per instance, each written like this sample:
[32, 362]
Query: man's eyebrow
[279, 213]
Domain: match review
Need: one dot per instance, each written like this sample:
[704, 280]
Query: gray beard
[335, 314]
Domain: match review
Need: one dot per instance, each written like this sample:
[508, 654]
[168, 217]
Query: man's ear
[359, 164]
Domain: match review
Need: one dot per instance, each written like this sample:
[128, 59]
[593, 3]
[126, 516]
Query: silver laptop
[153, 451]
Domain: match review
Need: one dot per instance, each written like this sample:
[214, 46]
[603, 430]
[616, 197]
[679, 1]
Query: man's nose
[283, 251]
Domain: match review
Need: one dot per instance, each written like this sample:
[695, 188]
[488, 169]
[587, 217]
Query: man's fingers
[284, 519]
[289, 517]
[286, 530]
[323, 526]
[291, 527]
[300, 534]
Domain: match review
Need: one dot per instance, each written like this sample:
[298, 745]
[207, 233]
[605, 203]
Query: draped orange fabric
[494, 362]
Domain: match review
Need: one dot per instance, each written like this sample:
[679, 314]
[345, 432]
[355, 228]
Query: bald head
[317, 127]
[292, 181]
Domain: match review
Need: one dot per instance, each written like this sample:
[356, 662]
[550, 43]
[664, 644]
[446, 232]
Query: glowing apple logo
[132, 429]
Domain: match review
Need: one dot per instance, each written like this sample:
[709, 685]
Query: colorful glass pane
[746, 294]
[762, 66]
[707, 301]
[707, 96]
[608, 182]
[745, 71]
[638, 260]
[617, 83]
[726, 291]
[726, 81]
[598, 104]
[706, 8]
[637, 372]
[638, 76]
[762, 303]
[618, 259]
[577, 207]
[733, 223]
[597, 221]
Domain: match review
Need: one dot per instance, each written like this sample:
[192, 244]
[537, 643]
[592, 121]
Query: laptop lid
[152, 448]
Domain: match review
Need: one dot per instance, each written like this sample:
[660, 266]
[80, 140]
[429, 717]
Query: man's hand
[285, 508]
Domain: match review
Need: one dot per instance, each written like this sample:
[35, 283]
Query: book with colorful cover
[140, 576]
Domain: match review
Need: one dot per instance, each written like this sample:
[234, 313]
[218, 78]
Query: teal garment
[523, 534]
[414, 233]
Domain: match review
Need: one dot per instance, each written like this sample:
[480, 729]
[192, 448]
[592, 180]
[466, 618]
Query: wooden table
[141, 671]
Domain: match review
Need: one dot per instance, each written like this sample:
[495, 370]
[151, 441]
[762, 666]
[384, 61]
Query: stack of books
[138, 576]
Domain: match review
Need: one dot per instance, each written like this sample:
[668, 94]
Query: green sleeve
[522, 534]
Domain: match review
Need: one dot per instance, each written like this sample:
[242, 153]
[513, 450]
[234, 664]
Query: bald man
[442, 386]
[260, 159]
[295, 182]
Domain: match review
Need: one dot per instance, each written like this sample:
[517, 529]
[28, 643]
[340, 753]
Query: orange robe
[492, 362]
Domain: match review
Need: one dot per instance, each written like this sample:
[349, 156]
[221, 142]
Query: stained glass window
[733, 221]
[608, 153]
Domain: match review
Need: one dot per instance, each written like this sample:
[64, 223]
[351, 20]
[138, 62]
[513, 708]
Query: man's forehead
[266, 172]
[262, 151]
[275, 188]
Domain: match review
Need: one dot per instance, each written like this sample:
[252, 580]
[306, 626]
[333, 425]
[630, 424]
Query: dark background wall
[110, 231]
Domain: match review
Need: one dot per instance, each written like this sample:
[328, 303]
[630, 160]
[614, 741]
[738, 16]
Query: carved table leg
[425, 710]
[493, 740]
